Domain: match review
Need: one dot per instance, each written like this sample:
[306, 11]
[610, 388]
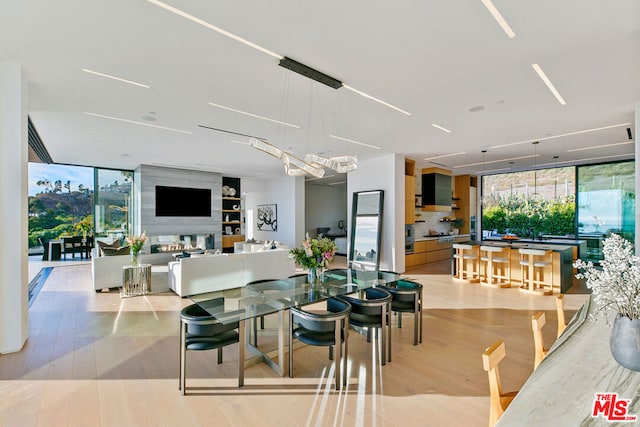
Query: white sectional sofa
[209, 273]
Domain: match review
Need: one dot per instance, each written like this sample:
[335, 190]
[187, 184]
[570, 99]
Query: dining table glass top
[266, 297]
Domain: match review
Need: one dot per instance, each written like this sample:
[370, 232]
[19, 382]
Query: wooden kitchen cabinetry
[464, 195]
[409, 191]
[426, 251]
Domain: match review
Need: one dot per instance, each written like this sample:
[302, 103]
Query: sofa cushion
[109, 251]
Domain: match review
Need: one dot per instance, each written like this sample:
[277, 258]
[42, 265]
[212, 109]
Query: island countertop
[561, 392]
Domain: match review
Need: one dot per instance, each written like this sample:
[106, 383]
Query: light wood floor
[94, 359]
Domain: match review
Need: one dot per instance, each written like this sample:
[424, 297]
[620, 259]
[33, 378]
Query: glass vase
[135, 258]
[312, 275]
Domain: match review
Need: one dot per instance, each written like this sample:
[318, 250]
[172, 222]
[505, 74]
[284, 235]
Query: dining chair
[406, 297]
[372, 313]
[498, 401]
[330, 328]
[72, 245]
[562, 324]
[538, 320]
[201, 331]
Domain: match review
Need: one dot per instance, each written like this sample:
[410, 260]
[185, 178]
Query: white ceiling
[435, 59]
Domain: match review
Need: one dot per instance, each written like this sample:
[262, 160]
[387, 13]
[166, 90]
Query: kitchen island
[563, 274]
[579, 365]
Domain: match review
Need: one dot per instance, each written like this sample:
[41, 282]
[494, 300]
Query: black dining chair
[330, 328]
[407, 298]
[199, 330]
[72, 245]
[372, 313]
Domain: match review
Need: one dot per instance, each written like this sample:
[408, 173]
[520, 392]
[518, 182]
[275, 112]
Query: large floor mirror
[366, 229]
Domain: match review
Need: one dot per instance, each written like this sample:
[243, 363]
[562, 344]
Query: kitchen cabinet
[464, 194]
[409, 191]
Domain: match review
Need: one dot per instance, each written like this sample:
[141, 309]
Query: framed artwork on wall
[267, 219]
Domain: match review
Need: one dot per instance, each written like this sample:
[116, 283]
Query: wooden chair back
[498, 401]
[537, 322]
[562, 324]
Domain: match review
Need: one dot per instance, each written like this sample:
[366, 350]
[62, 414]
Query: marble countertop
[423, 238]
[561, 392]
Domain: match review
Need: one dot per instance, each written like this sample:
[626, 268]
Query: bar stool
[562, 324]
[536, 271]
[464, 255]
[496, 258]
[538, 320]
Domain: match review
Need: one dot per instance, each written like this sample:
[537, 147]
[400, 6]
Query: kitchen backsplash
[431, 222]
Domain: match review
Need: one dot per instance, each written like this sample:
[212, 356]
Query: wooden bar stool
[497, 266]
[537, 322]
[466, 254]
[536, 268]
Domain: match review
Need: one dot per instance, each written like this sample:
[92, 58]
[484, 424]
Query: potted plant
[616, 286]
[456, 223]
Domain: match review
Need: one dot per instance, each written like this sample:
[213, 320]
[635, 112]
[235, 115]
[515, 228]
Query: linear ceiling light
[337, 183]
[499, 18]
[213, 27]
[137, 123]
[586, 159]
[547, 82]
[355, 142]
[497, 161]
[529, 141]
[253, 115]
[600, 146]
[445, 155]
[440, 127]
[493, 170]
[373, 98]
[240, 142]
[131, 82]
[246, 42]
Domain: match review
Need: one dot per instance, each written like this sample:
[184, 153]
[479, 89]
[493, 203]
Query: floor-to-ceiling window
[606, 204]
[530, 204]
[113, 210]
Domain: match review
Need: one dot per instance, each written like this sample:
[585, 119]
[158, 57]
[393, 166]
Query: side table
[136, 280]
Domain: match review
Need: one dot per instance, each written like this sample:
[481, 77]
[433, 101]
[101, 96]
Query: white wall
[288, 194]
[14, 325]
[325, 205]
[384, 173]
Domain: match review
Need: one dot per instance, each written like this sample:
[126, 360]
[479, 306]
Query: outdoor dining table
[255, 300]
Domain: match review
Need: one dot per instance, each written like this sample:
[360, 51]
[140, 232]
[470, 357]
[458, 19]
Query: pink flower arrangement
[314, 253]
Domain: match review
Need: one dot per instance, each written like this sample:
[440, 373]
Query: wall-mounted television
[181, 201]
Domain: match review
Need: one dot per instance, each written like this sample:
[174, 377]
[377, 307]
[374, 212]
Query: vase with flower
[135, 244]
[615, 287]
[315, 255]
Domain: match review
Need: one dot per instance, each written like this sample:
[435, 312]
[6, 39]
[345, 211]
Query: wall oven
[409, 238]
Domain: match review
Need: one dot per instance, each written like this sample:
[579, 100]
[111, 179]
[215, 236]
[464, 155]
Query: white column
[13, 214]
[636, 129]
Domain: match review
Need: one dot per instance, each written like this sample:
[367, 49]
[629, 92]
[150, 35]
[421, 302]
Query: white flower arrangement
[617, 284]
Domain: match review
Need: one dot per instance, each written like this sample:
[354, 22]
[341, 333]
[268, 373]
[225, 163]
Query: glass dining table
[276, 297]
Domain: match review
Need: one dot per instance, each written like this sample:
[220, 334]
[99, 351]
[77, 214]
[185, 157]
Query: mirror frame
[354, 217]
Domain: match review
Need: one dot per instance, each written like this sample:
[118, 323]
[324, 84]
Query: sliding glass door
[606, 204]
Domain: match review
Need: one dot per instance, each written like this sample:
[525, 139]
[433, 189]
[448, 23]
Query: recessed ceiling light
[136, 123]
[246, 42]
[497, 161]
[355, 142]
[131, 82]
[476, 108]
[253, 115]
[529, 141]
[149, 118]
[600, 146]
[440, 127]
[499, 18]
[446, 155]
[547, 82]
